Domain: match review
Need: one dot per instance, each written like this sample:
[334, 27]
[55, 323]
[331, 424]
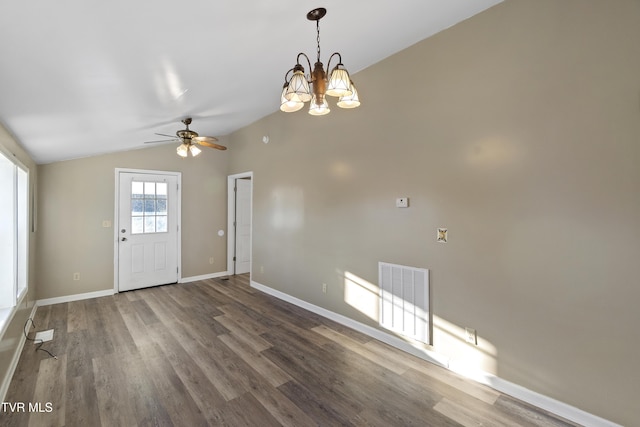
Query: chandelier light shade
[349, 101]
[339, 83]
[318, 108]
[290, 105]
[299, 87]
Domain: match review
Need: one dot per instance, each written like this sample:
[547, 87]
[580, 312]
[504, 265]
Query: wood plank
[77, 316]
[528, 414]
[256, 342]
[82, 389]
[172, 392]
[203, 392]
[281, 408]
[267, 369]
[49, 390]
[474, 415]
[359, 349]
[244, 410]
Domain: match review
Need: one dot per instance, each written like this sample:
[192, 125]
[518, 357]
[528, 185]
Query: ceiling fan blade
[163, 134]
[211, 139]
[209, 144]
[160, 140]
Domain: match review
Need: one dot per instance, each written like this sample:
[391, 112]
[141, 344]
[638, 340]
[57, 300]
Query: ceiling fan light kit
[299, 88]
[190, 140]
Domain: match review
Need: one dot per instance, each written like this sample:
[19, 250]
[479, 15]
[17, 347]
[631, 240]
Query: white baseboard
[541, 401]
[76, 297]
[4, 387]
[203, 277]
[109, 292]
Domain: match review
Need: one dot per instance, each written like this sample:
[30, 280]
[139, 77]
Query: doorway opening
[240, 217]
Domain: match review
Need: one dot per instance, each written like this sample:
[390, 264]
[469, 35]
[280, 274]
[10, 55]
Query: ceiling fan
[189, 141]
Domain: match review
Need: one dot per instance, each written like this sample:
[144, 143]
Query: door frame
[116, 218]
[231, 215]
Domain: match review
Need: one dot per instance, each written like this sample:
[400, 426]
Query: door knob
[124, 239]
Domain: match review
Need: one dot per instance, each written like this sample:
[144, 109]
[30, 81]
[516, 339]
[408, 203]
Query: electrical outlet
[324, 288]
[211, 260]
[471, 336]
[76, 276]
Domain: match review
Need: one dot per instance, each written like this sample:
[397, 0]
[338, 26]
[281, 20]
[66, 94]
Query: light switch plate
[402, 202]
[441, 236]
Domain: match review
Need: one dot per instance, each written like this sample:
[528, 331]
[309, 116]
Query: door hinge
[235, 189]
[234, 258]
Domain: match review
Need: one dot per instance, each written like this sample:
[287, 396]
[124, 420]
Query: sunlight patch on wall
[464, 357]
[449, 339]
[362, 295]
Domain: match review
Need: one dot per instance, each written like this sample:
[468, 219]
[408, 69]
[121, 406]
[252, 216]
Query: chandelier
[300, 88]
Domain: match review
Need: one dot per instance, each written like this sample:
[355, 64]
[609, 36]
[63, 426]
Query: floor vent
[404, 300]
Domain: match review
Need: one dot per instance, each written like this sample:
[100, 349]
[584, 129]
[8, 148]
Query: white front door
[147, 229]
[243, 226]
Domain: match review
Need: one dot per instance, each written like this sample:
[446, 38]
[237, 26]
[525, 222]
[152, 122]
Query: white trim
[203, 277]
[116, 218]
[14, 361]
[231, 214]
[75, 297]
[541, 401]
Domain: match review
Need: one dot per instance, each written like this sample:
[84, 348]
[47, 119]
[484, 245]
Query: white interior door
[243, 226]
[148, 229]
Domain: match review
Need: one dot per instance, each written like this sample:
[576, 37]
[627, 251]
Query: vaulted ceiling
[81, 78]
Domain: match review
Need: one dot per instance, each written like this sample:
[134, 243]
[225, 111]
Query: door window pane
[148, 207]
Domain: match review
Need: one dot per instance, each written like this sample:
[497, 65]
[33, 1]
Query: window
[14, 232]
[148, 207]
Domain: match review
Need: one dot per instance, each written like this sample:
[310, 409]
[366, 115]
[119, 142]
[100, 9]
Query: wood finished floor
[217, 352]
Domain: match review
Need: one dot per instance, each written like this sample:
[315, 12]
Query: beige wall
[76, 196]
[11, 338]
[519, 130]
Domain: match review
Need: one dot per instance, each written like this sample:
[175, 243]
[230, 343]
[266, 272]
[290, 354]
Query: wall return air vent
[404, 300]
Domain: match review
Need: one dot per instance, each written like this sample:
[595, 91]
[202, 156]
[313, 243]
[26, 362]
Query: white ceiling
[80, 78]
